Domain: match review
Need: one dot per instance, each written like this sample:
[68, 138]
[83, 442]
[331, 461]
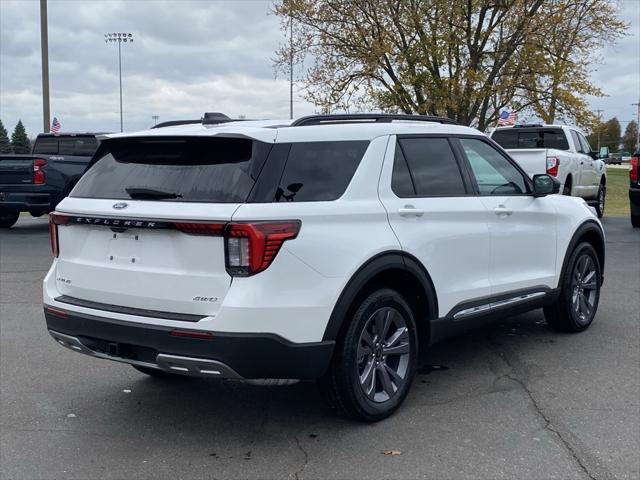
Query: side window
[576, 142]
[493, 173]
[426, 167]
[586, 148]
[319, 171]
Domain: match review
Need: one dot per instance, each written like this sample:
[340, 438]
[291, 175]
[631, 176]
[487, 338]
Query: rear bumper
[634, 200]
[224, 355]
[16, 198]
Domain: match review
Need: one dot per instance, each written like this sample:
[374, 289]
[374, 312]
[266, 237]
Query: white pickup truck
[561, 151]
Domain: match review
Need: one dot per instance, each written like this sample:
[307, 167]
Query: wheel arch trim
[589, 226]
[390, 260]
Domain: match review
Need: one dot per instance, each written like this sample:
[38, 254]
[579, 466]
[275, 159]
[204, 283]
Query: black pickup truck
[36, 183]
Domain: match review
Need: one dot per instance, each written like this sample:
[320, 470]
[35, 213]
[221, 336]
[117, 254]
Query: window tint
[46, 146]
[79, 146]
[518, 138]
[319, 171]
[493, 172]
[401, 181]
[221, 170]
[432, 166]
[576, 141]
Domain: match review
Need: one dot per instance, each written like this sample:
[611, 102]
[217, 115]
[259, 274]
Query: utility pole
[44, 48]
[637, 126]
[599, 112]
[291, 68]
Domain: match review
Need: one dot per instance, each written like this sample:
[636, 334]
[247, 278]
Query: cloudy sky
[188, 57]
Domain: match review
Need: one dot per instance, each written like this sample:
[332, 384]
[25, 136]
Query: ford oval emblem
[120, 206]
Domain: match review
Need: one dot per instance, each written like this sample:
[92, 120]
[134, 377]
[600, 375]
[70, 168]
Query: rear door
[522, 227]
[142, 228]
[436, 218]
[586, 167]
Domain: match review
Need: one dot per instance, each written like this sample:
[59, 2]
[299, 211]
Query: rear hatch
[16, 169]
[141, 231]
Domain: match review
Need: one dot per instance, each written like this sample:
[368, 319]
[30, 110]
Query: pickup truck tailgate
[16, 169]
[532, 160]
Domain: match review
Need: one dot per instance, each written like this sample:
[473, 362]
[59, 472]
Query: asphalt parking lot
[515, 400]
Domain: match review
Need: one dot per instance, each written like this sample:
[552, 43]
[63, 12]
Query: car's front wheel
[602, 192]
[580, 292]
[375, 358]
[8, 218]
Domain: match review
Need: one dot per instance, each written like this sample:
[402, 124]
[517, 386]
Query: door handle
[410, 211]
[502, 210]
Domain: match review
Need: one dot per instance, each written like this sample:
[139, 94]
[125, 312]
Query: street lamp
[119, 38]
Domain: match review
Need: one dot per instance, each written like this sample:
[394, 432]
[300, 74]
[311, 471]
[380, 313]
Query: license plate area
[124, 248]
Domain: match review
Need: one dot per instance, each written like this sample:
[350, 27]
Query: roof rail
[173, 123]
[366, 118]
[526, 125]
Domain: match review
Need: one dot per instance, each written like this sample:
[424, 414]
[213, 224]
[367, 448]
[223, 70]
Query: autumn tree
[465, 60]
[19, 140]
[606, 134]
[5, 144]
[563, 49]
[630, 136]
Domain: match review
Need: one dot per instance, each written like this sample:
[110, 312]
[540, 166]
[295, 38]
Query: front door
[522, 227]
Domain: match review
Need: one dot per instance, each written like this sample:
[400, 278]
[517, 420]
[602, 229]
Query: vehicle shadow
[213, 408]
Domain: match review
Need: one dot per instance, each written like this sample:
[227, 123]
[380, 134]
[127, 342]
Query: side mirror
[544, 184]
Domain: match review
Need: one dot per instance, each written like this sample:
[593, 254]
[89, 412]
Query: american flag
[507, 118]
[55, 125]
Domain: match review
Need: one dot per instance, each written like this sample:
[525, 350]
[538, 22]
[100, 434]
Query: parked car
[614, 159]
[560, 151]
[331, 247]
[626, 156]
[634, 189]
[36, 183]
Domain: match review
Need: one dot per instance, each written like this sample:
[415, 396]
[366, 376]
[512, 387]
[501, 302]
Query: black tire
[362, 361]
[568, 314]
[600, 200]
[157, 373]
[566, 190]
[8, 218]
[635, 221]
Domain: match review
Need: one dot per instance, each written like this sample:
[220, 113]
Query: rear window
[317, 171]
[219, 170]
[82, 146]
[518, 138]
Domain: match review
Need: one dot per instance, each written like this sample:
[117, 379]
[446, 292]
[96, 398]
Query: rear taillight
[251, 247]
[37, 176]
[633, 170]
[56, 219]
[552, 166]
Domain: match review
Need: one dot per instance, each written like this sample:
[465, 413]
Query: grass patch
[617, 202]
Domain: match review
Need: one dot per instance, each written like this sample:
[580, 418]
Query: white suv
[331, 247]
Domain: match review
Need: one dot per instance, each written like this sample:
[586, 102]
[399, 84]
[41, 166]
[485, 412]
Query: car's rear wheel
[375, 358]
[602, 192]
[8, 218]
[577, 304]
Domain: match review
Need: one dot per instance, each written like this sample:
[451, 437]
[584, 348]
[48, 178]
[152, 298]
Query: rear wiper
[148, 193]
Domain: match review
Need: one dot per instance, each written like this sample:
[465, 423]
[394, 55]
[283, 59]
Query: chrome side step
[496, 305]
[194, 367]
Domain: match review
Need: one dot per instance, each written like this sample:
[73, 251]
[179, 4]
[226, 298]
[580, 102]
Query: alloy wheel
[383, 354]
[584, 287]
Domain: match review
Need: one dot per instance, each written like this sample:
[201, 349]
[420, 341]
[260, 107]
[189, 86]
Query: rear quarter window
[319, 171]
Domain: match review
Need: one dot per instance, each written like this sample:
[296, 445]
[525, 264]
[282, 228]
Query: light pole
[119, 38]
[44, 47]
[155, 119]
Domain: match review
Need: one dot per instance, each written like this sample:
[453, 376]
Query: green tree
[611, 134]
[19, 139]
[630, 136]
[463, 59]
[5, 144]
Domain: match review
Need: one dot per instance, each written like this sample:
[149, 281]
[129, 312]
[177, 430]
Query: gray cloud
[189, 56]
